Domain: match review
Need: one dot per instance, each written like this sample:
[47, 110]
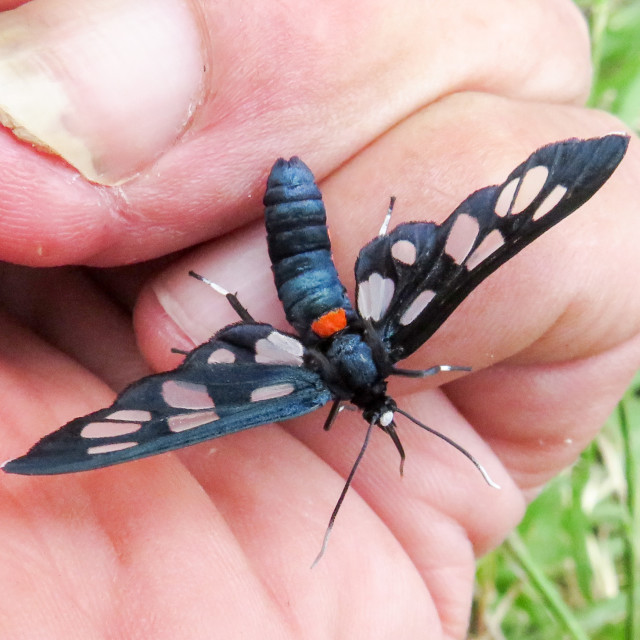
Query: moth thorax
[354, 362]
[386, 418]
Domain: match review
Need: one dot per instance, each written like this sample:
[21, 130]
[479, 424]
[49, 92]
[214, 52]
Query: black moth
[408, 282]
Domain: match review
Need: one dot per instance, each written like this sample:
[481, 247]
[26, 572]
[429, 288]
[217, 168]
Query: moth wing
[411, 280]
[246, 375]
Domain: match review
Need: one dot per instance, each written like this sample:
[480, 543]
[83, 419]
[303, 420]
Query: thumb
[173, 110]
[72, 76]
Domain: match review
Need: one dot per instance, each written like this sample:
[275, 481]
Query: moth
[408, 281]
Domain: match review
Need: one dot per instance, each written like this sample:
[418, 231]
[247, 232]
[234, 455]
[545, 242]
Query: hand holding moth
[181, 529]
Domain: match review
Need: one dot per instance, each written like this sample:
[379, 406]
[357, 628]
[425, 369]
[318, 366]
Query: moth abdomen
[300, 250]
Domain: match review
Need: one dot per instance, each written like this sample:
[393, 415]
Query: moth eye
[488, 246]
[109, 448]
[272, 391]
[461, 237]
[374, 296]
[417, 307]
[404, 251]
[186, 395]
[185, 421]
[221, 356]
[557, 193]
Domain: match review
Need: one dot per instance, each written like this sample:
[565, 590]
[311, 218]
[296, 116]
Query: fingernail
[200, 311]
[108, 85]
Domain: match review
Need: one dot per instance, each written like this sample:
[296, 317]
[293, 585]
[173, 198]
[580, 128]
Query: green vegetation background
[572, 569]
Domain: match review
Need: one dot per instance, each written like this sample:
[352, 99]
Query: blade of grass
[545, 588]
[600, 12]
[631, 556]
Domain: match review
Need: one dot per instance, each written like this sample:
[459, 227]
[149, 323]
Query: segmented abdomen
[299, 247]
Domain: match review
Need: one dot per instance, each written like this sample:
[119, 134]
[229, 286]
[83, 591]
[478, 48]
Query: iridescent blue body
[309, 287]
[299, 247]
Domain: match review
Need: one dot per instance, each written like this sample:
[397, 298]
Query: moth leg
[424, 373]
[236, 305]
[336, 408]
[387, 218]
[346, 407]
[333, 414]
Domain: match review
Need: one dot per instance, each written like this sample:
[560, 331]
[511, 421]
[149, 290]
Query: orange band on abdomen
[330, 323]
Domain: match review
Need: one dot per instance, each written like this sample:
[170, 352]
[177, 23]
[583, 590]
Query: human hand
[218, 539]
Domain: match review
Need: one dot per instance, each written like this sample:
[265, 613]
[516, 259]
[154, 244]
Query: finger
[277, 497]
[501, 319]
[189, 118]
[66, 308]
[538, 418]
[552, 301]
[138, 528]
[445, 505]
[124, 536]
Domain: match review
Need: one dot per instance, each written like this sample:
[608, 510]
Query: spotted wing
[246, 375]
[411, 280]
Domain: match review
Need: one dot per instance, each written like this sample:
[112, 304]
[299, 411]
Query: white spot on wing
[404, 251]
[186, 395]
[220, 356]
[132, 415]
[186, 421]
[557, 193]
[417, 307]
[108, 429]
[272, 391]
[530, 186]
[490, 244]
[109, 448]
[374, 296]
[506, 198]
[461, 237]
[277, 348]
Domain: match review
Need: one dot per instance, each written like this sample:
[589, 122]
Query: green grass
[572, 568]
[615, 34]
